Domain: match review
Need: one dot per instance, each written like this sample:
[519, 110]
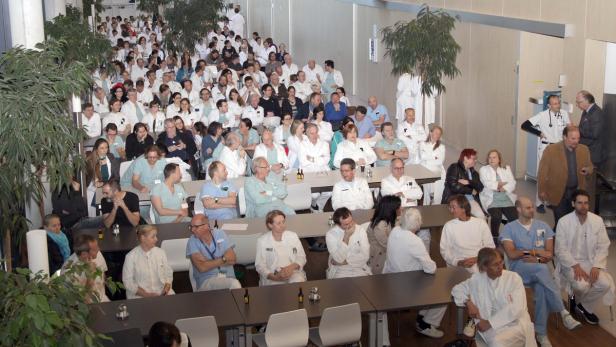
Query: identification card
[539, 241]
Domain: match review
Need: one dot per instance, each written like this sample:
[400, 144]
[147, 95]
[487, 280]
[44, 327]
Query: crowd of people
[240, 107]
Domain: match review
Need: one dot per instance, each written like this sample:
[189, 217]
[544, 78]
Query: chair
[198, 206]
[152, 215]
[339, 325]
[124, 166]
[245, 248]
[241, 201]
[202, 331]
[287, 329]
[299, 196]
[176, 254]
[193, 283]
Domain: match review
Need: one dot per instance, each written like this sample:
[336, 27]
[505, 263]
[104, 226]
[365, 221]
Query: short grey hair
[257, 161]
[231, 138]
[411, 220]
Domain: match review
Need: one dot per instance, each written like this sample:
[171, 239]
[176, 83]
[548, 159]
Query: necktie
[139, 113]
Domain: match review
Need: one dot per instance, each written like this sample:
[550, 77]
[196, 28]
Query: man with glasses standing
[211, 256]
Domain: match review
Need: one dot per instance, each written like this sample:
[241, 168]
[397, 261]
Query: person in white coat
[408, 90]
[273, 152]
[548, 125]
[354, 148]
[348, 246]
[154, 119]
[324, 127]
[399, 184]
[118, 118]
[407, 252]
[233, 156]
[314, 72]
[331, 79]
[146, 271]
[412, 134]
[496, 301]
[432, 154]
[497, 195]
[222, 115]
[91, 121]
[288, 69]
[280, 255]
[351, 192]
[253, 111]
[314, 157]
[582, 246]
[293, 142]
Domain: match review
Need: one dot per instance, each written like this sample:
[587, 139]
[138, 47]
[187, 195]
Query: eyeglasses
[196, 226]
[399, 168]
[152, 157]
[263, 167]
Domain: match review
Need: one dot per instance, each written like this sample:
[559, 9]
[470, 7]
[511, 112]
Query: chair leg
[611, 314]
[398, 323]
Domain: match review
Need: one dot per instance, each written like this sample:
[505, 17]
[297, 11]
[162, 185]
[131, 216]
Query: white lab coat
[293, 143]
[319, 153]
[325, 130]
[355, 195]
[100, 106]
[261, 151]
[119, 119]
[463, 239]
[236, 165]
[255, 115]
[408, 90]
[490, 184]
[130, 110]
[407, 252]
[92, 126]
[272, 255]
[358, 150]
[155, 123]
[356, 253]
[502, 302]
[150, 271]
[172, 111]
[311, 75]
[585, 244]
[433, 160]
[192, 96]
[302, 90]
[189, 118]
[406, 185]
[287, 71]
[338, 80]
[236, 110]
[145, 97]
[215, 117]
[412, 135]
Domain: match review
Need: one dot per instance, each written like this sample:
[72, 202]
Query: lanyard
[208, 248]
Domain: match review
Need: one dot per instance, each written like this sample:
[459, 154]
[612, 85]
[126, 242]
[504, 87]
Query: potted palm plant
[424, 47]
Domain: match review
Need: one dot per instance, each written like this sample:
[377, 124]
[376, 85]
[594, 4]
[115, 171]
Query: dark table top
[405, 290]
[268, 300]
[124, 338]
[305, 225]
[145, 312]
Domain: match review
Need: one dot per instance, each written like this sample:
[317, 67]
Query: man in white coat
[288, 69]
[581, 250]
[273, 152]
[348, 246]
[412, 134]
[351, 192]
[133, 110]
[406, 252]
[314, 72]
[253, 111]
[399, 184]
[314, 157]
[496, 300]
[409, 95]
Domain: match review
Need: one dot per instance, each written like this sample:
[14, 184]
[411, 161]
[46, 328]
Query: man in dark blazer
[591, 126]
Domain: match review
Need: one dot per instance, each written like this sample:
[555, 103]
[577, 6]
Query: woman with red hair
[463, 179]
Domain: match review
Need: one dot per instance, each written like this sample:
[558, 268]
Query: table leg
[372, 336]
[459, 320]
[379, 329]
[248, 335]
[230, 337]
[240, 337]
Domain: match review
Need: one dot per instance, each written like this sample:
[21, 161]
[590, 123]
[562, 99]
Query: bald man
[211, 255]
[376, 112]
[529, 245]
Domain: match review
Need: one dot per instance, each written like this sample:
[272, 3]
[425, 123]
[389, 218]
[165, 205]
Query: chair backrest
[241, 201]
[340, 325]
[193, 283]
[198, 206]
[202, 331]
[176, 254]
[245, 247]
[299, 196]
[287, 329]
[124, 166]
[152, 215]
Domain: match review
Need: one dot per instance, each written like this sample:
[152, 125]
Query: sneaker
[569, 322]
[591, 318]
[432, 332]
[543, 340]
[541, 209]
[469, 328]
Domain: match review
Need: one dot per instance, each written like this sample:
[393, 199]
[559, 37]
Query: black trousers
[564, 206]
[496, 215]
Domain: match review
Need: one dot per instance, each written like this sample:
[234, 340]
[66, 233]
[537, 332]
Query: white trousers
[215, 283]
[589, 294]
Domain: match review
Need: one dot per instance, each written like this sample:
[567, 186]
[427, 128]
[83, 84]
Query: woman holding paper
[280, 255]
[497, 194]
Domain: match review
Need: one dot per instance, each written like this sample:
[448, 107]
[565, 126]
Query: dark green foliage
[190, 21]
[151, 6]
[83, 45]
[36, 132]
[424, 47]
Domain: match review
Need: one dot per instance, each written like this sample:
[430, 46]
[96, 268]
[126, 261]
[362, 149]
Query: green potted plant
[424, 47]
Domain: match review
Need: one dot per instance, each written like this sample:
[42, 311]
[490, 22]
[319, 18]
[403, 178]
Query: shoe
[590, 318]
[572, 303]
[318, 247]
[541, 209]
[543, 340]
[314, 208]
[469, 328]
[569, 322]
[432, 331]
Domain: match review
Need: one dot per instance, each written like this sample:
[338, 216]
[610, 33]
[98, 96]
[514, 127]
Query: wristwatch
[224, 259]
[216, 200]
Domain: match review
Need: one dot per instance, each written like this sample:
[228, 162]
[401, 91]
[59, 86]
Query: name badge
[269, 249]
[220, 241]
[539, 242]
[184, 205]
[294, 250]
[156, 181]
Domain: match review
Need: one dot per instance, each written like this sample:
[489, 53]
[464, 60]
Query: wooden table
[305, 225]
[265, 301]
[145, 312]
[318, 181]
[124, 338]
[406, 290]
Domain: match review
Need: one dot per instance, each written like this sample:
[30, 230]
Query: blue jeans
[547, 294]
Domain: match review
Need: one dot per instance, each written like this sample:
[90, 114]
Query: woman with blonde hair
[146, 271]
[497, 195]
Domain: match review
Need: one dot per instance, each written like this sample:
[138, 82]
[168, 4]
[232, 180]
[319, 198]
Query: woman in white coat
[280, 256]
[497, 195]
[348, 246]
[146, 272]
[233, 156]
[294, 141]
[325, 128]
[432, 155]
[354, 148]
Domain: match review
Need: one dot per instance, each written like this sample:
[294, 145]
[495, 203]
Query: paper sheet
[235, 227]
